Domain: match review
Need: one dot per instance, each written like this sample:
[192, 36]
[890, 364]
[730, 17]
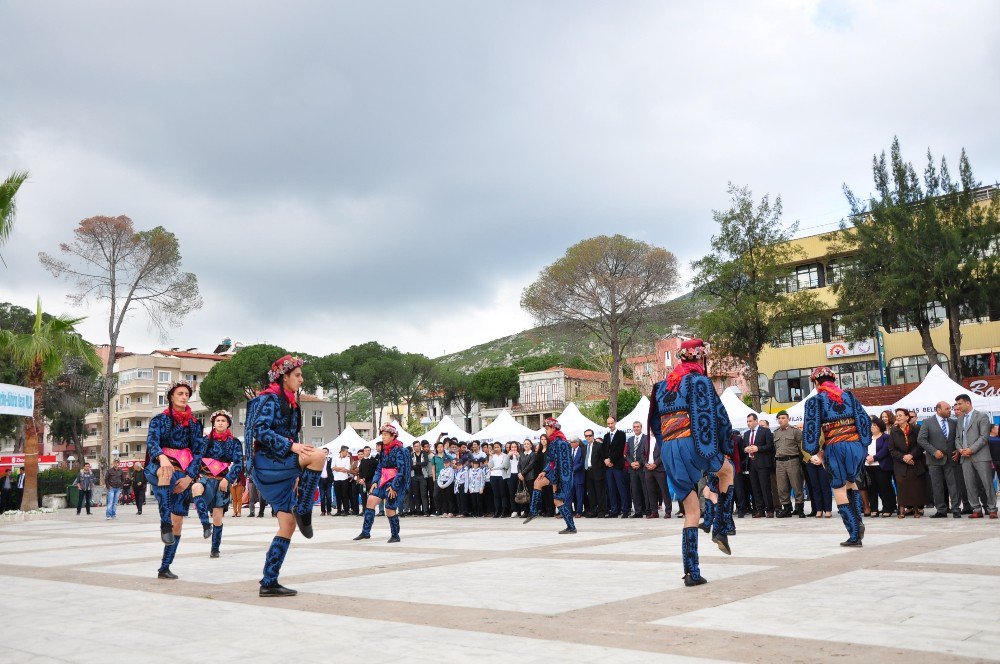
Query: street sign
[17, 400]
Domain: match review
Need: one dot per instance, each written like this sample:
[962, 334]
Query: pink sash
[181, 458]
[215, 467]
[388, 474]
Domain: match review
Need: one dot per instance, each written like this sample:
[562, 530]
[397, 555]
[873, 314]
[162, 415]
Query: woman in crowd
[499, 472]
[438, 461]
[390, 483]
[541, 462]
[909, 466]
[881, 468]
[175, 446]
[285, 472]
[514, 454]
[220, 467]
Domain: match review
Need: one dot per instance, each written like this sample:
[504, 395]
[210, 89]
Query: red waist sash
[180, 458]
[215, 467]
[675, 425]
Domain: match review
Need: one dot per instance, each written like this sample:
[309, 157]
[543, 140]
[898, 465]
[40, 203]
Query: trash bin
[72, 495]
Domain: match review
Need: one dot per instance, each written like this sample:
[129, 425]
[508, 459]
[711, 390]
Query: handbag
[521, 497]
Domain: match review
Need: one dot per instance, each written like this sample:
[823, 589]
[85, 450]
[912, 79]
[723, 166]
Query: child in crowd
[445, 481]
[477, 482]
[461, 488]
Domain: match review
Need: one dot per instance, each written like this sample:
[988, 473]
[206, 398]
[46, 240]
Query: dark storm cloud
[346, 158]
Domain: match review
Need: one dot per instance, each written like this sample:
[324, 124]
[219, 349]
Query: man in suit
[656, 481]
[973, 450]
[758, 446]
[614, 442]
[326, 488]
[593, 464]
[579, 476]
[937, 437]
[636, 453]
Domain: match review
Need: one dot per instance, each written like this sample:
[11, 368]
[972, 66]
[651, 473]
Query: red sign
[126, 463]
[18, 459]
[984, 386]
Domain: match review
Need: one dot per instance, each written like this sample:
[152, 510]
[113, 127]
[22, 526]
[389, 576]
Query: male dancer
[559, 473]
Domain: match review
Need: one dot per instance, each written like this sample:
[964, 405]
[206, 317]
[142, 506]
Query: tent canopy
[639, 414]
[503, 429]
[347, 437]
[448, 426]
[737, 410]
[404, 436]
[937, 386]
[574, 423]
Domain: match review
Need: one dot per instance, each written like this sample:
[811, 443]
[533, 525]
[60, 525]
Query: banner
[849, 348]
[984, 386]
[17, 400]
[9, 460]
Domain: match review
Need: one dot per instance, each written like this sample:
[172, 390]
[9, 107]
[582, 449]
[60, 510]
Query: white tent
[448, 426]
[938, 386]
[503, 429]
[347, 437]
[404, 436]
[737, 410]
[796, 413]
[574, 423]
[639, 414]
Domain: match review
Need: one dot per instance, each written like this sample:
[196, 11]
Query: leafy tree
[604, 285]
[495, 384]
[943, 245]
[598, 411]
[232, 381]
[110, 261]
[455, 388]
[742, 279]
[8, 208]
[17, 320]
[543, 362]
[331, 373]
[376, 368]
[40, 353]
[69, 397]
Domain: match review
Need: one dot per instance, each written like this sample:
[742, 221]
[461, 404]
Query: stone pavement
[82, 589]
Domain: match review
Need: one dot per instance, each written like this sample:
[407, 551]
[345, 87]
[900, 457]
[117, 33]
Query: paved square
[468, 589]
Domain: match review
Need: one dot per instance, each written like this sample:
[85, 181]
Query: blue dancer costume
[839, 418]
[177, 435]
[274, 421]
[223, 460]
[559, 472]
[688, 420]
[392, 472]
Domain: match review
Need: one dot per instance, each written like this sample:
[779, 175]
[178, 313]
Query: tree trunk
[928, 344]
[752, 371]
[29, 499]
[616, 363]
[954, 341]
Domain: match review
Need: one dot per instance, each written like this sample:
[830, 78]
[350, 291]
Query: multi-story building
[647, 370]
[893, 356]
[546, 393]
[320, 420]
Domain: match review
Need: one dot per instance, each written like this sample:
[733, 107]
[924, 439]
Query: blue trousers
[617, 493]
[578, 491]
[819, 483]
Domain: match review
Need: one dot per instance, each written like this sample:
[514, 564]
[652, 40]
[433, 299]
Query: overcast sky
[399, 171]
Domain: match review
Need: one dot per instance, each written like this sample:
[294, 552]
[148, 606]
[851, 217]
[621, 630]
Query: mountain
[565, 341]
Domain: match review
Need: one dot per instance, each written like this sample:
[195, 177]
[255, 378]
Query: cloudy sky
[399, 171]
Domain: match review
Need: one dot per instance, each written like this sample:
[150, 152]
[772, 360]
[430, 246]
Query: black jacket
[616, 448]
[764, 457]
[366, 469]
[600, 453]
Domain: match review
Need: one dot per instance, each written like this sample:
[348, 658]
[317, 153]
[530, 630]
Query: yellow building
[784, 369]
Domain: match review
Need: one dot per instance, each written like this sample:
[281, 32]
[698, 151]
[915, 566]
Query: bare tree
[605, 285]
[110, 261]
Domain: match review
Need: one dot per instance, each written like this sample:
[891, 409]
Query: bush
[54, 480]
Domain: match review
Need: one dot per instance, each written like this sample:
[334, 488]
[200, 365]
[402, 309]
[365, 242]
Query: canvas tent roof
[347, 437]
[937, 386]
[574, 423]
[505, 428]
[737, 410]
[640, 413]
[404, 436]
[447, 425]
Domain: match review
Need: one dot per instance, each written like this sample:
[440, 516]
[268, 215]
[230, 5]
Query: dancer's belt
[214, 467]
[675, 425]
[180, 458]
[841, 431]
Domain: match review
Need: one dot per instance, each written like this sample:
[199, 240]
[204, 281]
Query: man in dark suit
[758, 446]
[656, 481]
[937, 437]
[636, 452]
[579, 476]
[614, 441]
[593, 464]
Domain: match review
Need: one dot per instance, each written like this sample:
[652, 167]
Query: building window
[161, 399]
[142, 398]
[802, 277]
[125, 449]
[810, 333]
[837, 268]
[984, 364]
[966, 315]
[838, 331]
[163, 377]
[242, 416]
[138, 448]
[794, 384]
[317, 418]
[933, 311]
[146, 374]
[912, 369]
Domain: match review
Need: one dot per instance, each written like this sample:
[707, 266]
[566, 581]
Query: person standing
[236, 492]
[973, 452]
[758, 447]
[557, 472]
[221, 465]
[390, 483]
[114, 480]
[285, 471]
[138, 487]
[614, 443]
[909, 466]
[326, 488]
[594, 467]
[937, 438]
[692, 426]
[788, 466]
[514, 454]
[428, 474]
[499, 471]
[656, 481]
[84, 486]
[636, 453]
[579, 477]
[881, 466]
[418, 483]
[341, 478]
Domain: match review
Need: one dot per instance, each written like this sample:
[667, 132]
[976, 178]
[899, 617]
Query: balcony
[553, 405]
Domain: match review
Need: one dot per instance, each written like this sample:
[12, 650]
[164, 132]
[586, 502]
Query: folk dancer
[692, 427]
[390, 483]
[174, 447]
[285, 472]
[220, 468]
[838, 417]
[558, 471]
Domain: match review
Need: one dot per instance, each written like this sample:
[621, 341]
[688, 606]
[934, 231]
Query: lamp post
[70, 459]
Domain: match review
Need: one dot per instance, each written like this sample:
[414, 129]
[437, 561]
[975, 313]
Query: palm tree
[40, 354]
[8, 189]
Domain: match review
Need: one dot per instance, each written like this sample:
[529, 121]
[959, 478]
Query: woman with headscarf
[836, 416]
[175, 446]
[692, 428]
[285, 472]
[220, 468]
[390, 483]
[557, 472]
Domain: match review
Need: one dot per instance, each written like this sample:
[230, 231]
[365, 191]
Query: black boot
[277, 590]
[689, 552]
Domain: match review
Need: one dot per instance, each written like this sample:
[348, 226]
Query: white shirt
[651, 442]
[341, 462]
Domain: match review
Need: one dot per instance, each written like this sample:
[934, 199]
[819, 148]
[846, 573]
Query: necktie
[944, 427]
[753, 435]
[590, 452]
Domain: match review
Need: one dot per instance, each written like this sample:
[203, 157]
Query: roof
[309, 398]
[635, 359]
[192, 356]
[583, 374]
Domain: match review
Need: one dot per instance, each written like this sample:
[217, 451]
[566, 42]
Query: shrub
[54, 480]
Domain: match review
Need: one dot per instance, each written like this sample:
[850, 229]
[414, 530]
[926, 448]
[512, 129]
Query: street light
[71, 459]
